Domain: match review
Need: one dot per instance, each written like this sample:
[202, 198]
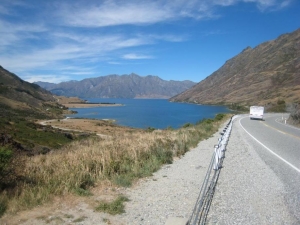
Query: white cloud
[168, 37]
[12, 34]
[70, 46]
[112, 13]
[133, 12]
[136, 56]
[270, 5]
[61, 35]
[46, 78]
[114, 63]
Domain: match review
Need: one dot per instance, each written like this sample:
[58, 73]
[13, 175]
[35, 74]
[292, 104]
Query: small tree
[295, 113]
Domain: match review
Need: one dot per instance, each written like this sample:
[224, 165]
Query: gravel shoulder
[173, 190]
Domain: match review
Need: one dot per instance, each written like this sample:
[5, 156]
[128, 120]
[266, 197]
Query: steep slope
[22, 103]
[115, 86]
[20, 97]
[265, 74]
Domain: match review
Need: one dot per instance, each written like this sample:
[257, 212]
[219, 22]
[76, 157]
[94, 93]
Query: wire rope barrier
[204, 200]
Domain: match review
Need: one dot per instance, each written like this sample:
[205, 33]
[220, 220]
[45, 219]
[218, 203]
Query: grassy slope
[119, 160]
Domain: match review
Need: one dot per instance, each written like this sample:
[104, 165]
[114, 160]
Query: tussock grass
[120, 160]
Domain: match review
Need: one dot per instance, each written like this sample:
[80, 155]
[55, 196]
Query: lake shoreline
[144, 113]
[90, 105]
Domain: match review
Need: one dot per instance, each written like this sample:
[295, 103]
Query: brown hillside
[18, 97]
[262, 75]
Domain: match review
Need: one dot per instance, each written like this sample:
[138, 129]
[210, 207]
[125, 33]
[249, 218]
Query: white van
[257, 112]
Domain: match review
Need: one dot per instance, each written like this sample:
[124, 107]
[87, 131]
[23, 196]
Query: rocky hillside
[115, 86]
[264, 75]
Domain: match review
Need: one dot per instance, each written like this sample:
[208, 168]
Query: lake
[143, 113]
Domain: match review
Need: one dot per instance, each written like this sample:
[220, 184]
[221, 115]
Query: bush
[5, 159]
[187, 125]
[219, 117]
[113, 208]
[279, 106]
[150, 129]
[295, 113]
[237, 107]
[3, 205]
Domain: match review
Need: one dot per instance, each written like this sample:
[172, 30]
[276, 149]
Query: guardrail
[202, 206]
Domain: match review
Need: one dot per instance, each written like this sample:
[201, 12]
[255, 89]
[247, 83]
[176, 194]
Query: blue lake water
[143, 113]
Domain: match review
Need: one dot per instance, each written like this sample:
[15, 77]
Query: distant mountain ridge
[119, 86]
[263, 75]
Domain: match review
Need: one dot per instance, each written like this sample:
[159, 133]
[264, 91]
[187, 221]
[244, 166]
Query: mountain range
[264, 75]
[116, 86]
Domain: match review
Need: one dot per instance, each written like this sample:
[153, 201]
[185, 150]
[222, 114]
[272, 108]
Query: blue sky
[55, 41]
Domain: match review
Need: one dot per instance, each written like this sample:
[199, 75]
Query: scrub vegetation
[75, 168]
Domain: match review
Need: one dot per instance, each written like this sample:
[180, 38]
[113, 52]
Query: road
[278, 145]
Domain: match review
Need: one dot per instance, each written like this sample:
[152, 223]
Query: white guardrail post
[216, 164]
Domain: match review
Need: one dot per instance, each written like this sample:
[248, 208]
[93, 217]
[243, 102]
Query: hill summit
[266, 74]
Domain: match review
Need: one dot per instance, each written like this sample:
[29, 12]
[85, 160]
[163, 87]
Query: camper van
[257, 112]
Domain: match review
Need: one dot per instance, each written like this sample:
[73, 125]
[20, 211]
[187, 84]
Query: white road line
[282, 159]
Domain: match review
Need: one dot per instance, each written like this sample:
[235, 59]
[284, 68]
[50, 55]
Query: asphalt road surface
[278, 144]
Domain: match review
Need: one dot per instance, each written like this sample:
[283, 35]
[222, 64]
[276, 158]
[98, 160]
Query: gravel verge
[173, 190]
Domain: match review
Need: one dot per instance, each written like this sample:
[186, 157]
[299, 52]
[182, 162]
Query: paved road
[278, 145]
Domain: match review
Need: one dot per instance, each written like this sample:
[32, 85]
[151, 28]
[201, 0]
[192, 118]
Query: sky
[62, 40]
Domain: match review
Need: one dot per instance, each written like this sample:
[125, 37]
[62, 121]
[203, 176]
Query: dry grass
[120, 160]
[104, 127]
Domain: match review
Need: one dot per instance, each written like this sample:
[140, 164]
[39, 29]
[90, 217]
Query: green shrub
[187, 125]
[169, 128]
[3, 205]
[219, 117]
[150, 129]
[280, 102]
[82, 192]
[238, 107]
[5, 159]
[124, 180]
[114, 207]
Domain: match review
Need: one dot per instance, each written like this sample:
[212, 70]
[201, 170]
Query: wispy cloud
[270, 5]
[118, 12]
[136, 56]
[111, 13]
[61, 34]
[51, 78]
